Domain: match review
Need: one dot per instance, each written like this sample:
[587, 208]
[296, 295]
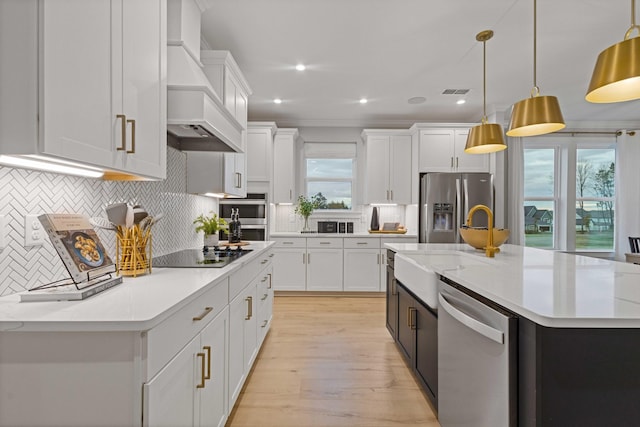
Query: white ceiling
[391, 50]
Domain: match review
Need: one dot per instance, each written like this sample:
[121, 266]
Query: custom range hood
[197, 119]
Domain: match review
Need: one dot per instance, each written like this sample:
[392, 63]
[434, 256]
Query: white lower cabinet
[324, 269]
[191, 389]
[246, 321]
[289, 266]
[362, 264]
[322, 263]
[311, 264]
[186, 370]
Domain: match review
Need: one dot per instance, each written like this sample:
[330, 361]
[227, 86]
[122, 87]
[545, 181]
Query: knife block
[133, 251]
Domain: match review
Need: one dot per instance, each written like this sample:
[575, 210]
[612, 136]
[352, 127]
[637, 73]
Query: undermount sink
[417, 271]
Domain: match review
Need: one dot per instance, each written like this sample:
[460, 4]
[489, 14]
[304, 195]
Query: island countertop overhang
[552, 289]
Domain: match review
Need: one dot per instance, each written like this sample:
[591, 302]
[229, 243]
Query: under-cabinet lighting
[277, 101]
[216, 195]
[49, 166]
[300, 67]
[363, 101]
[384, 204]
[285, 204]
[460, 101]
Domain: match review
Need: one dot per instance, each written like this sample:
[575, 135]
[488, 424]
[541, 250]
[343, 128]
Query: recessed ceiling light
[417, 100]
[300, 67]
[363, 100]
[460, 101]
[277, 101]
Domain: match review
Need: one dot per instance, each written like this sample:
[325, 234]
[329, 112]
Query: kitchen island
[577, 347]
[170, 348]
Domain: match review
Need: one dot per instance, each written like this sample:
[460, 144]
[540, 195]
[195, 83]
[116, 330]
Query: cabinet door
[436, 150]
[283, 169]
[289, 269]
[259, 155]
[426, 356]
[143, 89]
[213, 397]
[400, 169]
[377, 167]
[242, 339]
[324, 269]
[362, 270]
[75, 114]
[406, 324]
[392, 304]
[170, 396]
[234, 175]
[468, 162]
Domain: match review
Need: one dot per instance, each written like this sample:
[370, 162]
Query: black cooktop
[192, 258]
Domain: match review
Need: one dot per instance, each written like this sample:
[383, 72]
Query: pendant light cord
[484, 81]
[535, 45]
[634, 26]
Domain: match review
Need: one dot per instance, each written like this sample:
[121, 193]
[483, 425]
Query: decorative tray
[242, 243]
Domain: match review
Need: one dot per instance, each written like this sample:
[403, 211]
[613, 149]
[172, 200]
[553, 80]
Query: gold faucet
[489, 250]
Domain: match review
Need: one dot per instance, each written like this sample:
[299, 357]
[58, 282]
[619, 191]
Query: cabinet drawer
[324, 242]
[165, 340]
[294, 242]
[247, 272]
[362, 243]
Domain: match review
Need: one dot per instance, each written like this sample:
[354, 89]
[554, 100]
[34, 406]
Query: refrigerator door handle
[465, 200]
[459, 211]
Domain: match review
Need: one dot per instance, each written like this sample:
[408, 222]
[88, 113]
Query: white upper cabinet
[388, 167]
[284, 170]
[442, 150]
[86, 83]
[259, 148]
[228, 82]
[216, 173]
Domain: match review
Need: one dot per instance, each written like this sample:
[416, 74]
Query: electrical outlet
[3, 236]
[33, 231]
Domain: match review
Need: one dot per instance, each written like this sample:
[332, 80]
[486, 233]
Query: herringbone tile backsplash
[29, 192]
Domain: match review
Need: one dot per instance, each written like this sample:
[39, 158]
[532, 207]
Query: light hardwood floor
[330, 361]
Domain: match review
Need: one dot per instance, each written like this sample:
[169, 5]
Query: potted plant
[305, 208]
[210, 226]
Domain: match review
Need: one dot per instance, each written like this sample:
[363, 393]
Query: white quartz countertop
[346, 235]
[137, 304]
[551, 288]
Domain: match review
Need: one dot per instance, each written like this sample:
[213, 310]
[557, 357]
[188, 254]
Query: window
[595, 191]
[561, 172]
[329, 172]
[540, 197]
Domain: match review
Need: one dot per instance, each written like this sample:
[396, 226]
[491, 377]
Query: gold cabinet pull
[264, 297]
[133, 137]
[391, 198]
[264, 261]
[238, 180]
[271, 255]
[207, 348]
[249, 301]
[394, 290]
[270, 279]
[265, 323]
[264, 279]
[410, 318]
[202, 378]
[123, 142]
[207, 310]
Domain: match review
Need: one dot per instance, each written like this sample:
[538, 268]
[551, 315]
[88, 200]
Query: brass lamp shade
[536, 116]
[616, 76]
[485, 138]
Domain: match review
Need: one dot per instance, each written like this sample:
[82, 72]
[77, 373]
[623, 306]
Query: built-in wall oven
[253, 215]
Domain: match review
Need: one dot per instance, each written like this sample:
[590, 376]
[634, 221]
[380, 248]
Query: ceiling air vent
[455, 91]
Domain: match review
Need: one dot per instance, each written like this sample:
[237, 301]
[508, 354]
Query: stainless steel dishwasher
[476, 361]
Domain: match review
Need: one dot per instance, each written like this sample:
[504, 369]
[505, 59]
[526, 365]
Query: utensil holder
[133, 251]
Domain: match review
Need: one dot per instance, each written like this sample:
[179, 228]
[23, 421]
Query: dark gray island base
[578, 377]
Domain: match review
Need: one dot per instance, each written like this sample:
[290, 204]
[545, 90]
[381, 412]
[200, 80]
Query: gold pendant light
[616, 76]
[536, 115]
[485, 137]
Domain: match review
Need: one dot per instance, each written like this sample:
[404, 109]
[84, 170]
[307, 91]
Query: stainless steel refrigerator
[445, 200]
